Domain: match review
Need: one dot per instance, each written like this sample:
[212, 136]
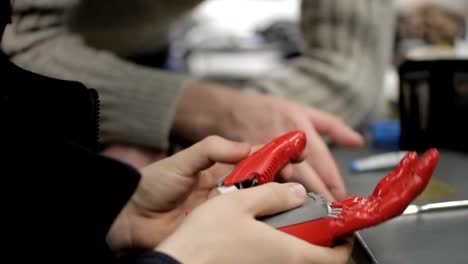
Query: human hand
[432, 22]
[210, 109]
[168, 189]
[135, 156]
[224, 230]
[390, 198]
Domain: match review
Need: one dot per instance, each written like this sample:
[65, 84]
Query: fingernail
[298, 190]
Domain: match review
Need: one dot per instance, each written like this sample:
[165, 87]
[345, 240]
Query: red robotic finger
[402, 170]
[424, 170]
[399, 194]
[384, 186]
[262, 166]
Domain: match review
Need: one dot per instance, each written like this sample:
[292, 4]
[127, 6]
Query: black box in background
[433, 104]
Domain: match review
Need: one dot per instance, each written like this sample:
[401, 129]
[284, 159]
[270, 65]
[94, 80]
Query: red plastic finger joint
[265, 163]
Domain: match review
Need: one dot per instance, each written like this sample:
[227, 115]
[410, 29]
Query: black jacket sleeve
[59, 197]
[156, 257]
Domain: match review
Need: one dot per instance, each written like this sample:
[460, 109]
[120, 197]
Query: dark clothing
[155, 257]
[59, 197]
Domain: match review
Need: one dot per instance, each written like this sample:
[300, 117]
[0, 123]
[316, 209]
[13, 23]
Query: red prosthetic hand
[320, 222]
[389, 199]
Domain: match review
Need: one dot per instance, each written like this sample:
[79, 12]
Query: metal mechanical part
[314, 208]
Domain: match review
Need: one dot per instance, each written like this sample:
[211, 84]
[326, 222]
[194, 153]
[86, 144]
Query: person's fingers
[320, 158]
[302, 156]
[305, 175]
[286, 173]
[270, 198]
[208, 178]
[335, 128]
[205, 153]
[255, 148]
[135, 156]
[218, 170]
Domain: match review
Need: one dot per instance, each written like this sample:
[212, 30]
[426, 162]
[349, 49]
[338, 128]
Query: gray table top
[434, 237]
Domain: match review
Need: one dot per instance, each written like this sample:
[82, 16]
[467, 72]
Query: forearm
[347, 47]
[63, 191]
[137, 103]
[207, 109]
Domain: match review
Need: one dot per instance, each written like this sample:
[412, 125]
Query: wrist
[204, 109]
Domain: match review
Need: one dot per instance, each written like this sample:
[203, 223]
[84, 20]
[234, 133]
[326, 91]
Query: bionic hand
[318, 221]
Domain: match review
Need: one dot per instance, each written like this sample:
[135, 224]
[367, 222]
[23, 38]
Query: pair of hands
[207, 109]
[221, 228]
[180, 183]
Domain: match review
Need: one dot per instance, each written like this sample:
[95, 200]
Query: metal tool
[433, 207]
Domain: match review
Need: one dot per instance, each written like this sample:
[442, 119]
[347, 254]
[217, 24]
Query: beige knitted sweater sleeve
[137, 103]
[347, 46]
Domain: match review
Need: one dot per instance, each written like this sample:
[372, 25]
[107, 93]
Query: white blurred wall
[242, 16]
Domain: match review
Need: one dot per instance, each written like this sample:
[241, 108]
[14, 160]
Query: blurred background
[216, 43]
